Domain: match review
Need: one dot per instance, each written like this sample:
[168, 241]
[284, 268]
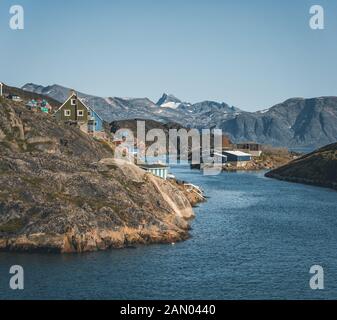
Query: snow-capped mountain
[169, 101]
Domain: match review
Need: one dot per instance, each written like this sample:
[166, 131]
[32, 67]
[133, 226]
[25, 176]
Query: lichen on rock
[73, 197]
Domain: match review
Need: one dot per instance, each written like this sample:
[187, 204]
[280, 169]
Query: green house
[73, 109]
[44, 109]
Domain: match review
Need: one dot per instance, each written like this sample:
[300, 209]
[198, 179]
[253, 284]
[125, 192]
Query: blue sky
[250, 54]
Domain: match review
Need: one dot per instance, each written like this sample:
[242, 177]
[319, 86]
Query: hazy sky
[250, 54]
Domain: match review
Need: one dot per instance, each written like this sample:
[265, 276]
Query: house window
[89, 113]
[73, 102]
[67, 113]
[80, 113]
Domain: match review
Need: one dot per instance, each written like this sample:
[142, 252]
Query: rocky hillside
[317, 168]
[295, 123]
[61, 191]
[28, 95]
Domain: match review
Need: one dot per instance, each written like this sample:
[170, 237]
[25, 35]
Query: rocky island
[317, 168]
[61, 191]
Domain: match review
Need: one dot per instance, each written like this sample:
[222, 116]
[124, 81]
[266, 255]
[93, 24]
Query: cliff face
[317, 168]
[60, 191]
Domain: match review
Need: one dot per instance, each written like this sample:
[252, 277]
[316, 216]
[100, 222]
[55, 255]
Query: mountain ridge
[295, 123]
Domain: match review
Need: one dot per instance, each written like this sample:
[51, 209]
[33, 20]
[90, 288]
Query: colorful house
[32, 104]
[39, 104]
[44, 106]
[74, 110]
[95, 122]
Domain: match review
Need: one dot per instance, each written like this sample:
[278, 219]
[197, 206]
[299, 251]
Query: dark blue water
[255, 238]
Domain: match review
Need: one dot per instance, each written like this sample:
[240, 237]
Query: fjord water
[255, 238]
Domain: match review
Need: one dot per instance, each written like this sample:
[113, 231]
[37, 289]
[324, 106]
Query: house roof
[91, 109]
[238, 153]
[70, 97]
[82, 101]
[220, 155]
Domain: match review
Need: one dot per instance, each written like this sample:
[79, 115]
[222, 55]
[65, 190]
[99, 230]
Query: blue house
[75, 110]
[95, 122]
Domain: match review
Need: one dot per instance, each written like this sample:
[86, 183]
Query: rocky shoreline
[318, 168]
[271, 158]
[62, 192]
[319, 183]
[163, 217]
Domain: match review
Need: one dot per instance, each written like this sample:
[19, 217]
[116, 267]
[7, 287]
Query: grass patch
[33, 181]
[12, 226]
[106, 146]
[94, 203]
[3, 167]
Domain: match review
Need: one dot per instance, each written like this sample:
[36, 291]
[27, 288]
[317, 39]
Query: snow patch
[172, 105]
[264, 111]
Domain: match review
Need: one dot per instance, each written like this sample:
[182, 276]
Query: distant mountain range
[295, 123]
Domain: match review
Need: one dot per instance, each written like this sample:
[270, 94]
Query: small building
[212, 156]
[219, 158]
[238, 158]
[133, 150]
[32, 105]
[74, 110]
[14, 97]
[158, 170]
[44, 109]
[117, 142]
[40, 104]
[95, 121]
[45, 106]
[252, 148]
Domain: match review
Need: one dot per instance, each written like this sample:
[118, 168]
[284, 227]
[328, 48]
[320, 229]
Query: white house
[14, 97]
[159, 170]
[238, 158]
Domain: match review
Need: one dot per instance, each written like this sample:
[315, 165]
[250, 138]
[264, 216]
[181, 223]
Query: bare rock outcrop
[317, 168]
[61, 191]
